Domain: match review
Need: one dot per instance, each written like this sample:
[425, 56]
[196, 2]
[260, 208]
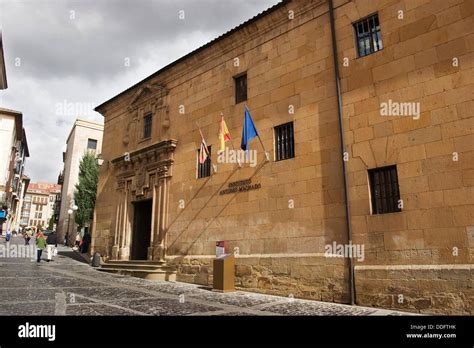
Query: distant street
[71, 287]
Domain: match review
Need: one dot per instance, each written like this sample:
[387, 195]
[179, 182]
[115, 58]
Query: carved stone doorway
[141, 233]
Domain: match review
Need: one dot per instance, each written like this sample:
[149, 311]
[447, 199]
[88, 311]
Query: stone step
[133, 266]
[141, 269]
[136, 262]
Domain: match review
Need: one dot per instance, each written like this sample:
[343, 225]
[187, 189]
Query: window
[240, 88]
[384, 190]
[204, 169]
[91, 144]
[147, 121]
[369, 39]
[284, 142]
[51, 198]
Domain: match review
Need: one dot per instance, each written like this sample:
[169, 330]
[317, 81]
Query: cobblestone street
[70, 287]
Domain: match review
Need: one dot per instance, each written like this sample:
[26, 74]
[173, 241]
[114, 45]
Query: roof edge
[197, 50]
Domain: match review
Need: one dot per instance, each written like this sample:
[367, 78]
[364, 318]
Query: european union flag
[249, 131]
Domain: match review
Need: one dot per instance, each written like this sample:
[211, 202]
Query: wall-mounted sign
[240, 186]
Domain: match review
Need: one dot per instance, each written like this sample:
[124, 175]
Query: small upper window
[91, 144]
[369, 39]
[240, 88]
[147, 122]
[384, 190]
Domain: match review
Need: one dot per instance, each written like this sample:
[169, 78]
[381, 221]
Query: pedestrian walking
[27, 238]
[86, 240]
[8, 235]
[52, 246]
[40, 245]
[78, 241]
[66, 238]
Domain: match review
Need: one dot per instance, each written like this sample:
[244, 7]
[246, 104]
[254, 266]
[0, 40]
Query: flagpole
[267, 155]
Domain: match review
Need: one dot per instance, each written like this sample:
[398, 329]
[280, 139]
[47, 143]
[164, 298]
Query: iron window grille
[284, 141]
[384, 190]
[147, 122]
[368, 35]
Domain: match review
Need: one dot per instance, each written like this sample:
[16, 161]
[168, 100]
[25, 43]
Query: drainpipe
[343, 147]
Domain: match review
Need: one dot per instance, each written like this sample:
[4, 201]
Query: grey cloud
[102, 34]
[81, 60]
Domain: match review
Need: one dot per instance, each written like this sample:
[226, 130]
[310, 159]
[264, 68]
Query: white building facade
[14, 150]
[85, 136]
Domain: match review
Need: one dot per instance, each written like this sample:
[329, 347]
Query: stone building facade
[398, 184]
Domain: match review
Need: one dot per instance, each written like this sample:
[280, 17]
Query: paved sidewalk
[70, 287]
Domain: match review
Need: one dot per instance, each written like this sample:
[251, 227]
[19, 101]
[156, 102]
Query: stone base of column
[115, 252]
[150, 253]
[158, 252]
[124, 253]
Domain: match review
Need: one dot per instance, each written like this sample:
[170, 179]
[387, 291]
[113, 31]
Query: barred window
[204, 169]
[240, 88]
[147, 122]
[369, 38]
[284, 141]
[384, 190]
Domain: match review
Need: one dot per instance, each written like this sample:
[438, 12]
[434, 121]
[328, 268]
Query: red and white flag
[203, 151]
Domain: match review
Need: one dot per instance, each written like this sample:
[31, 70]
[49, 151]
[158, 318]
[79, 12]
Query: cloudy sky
[60, 52]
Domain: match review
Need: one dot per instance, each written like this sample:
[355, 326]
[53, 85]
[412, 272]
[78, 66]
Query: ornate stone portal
[143, 175]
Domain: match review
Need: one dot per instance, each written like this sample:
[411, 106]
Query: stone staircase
[151, 270]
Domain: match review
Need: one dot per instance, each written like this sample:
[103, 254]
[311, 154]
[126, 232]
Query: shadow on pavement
[74, 255]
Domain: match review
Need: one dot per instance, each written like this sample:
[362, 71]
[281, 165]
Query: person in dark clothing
[52, 245]
[86, 240]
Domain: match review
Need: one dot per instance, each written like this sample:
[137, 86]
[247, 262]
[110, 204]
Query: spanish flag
[224, 134]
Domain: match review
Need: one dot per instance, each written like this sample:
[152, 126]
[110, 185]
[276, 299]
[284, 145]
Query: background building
[38, 204]
[84, 136]
[14, 150]
[16, 222]
[342, 172]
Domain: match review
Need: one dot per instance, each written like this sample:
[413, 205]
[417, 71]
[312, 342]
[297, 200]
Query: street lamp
[70, 212]
[99, 160]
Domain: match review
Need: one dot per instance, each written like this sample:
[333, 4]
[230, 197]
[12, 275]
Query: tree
[86, 189]
[51, 223]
